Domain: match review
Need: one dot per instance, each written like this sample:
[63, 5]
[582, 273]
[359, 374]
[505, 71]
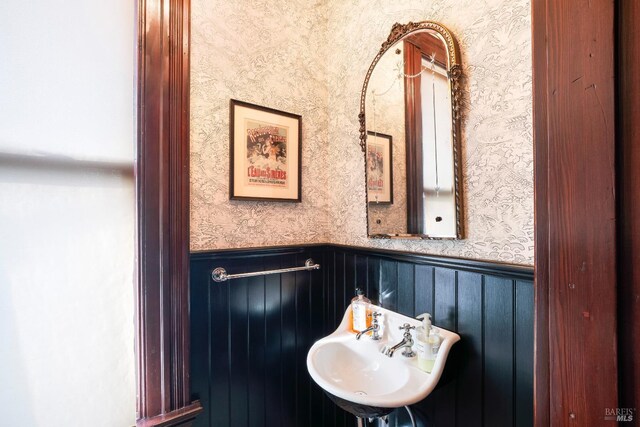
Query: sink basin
[357, 372]
[351, 370]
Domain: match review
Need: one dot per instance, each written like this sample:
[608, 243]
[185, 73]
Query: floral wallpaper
[268, 53]
[310, 58]
[497, 147]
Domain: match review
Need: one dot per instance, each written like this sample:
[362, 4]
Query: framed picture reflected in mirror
[379, 167]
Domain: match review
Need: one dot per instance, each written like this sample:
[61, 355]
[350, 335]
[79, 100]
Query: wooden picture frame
[265, 153]
[379, 155]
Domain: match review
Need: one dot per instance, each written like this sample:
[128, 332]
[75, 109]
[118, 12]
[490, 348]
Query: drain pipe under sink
[413, 421]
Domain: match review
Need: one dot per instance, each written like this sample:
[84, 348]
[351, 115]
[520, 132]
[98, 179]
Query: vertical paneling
[219, 372]
[288, 344]
[315, 316]
[303, 337]
[340, 416]
[328, 408]
[274, 386]
[423, 291]
[498, 313]
[256, 350]
[388, 284]
[488, 380]
[362, 277]
[251, 336]
[406, 288]
[523, 347]
[200, 355]
[470, 329]
[339, 288]
[238, 351]
[330, 281]
[445, 316]
[444, 311]
[373, 279]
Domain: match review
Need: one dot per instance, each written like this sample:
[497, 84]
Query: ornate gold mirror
[410, 134]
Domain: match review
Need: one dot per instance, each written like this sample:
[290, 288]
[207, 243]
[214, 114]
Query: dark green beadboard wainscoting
[250, 337]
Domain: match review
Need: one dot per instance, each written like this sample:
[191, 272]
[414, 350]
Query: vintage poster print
[379, 165]
[266, 154]
[375, 161]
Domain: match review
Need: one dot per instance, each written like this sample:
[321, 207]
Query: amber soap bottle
[360, 312]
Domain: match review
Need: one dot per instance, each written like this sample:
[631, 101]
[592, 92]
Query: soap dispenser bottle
[360, 319]
[434, 346]
[423, 345]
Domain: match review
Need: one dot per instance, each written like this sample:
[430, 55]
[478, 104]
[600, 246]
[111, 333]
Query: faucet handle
[407, 327]
[375, 315]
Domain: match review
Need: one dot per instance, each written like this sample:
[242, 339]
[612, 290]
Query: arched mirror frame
[398, 32]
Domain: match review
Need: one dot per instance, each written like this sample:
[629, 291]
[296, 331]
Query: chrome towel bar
[220, 274]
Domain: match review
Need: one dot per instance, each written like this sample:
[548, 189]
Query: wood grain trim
[541, 397]
[162, 185]
[182, 417]
[575, 212]
[628, 164]
[429, 44]
[413, 138]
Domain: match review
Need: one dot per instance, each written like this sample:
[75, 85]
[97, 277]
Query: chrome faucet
[374, 327]
[406, 343]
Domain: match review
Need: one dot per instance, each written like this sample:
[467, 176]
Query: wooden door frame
[541, 397]
[628, 165]
[575, 368]
[162, 194]
[162, 183]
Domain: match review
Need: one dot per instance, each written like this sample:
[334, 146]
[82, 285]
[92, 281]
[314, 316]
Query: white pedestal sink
[357, 372]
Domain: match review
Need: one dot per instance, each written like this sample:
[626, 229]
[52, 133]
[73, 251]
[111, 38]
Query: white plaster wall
[66, 231]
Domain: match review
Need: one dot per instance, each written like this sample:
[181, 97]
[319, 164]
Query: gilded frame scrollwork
[398, 32]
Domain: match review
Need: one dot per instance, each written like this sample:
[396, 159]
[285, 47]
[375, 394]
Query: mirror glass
[411, 141]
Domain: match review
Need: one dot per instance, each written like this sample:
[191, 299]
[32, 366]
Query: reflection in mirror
[409, 111]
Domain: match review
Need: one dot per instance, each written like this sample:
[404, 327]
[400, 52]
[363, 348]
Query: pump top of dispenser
[426, 327]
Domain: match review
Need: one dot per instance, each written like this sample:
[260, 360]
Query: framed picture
[265, 153]
[379, 168]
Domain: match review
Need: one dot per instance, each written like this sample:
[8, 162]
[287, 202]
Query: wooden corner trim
[162, 193]
[179, 417]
